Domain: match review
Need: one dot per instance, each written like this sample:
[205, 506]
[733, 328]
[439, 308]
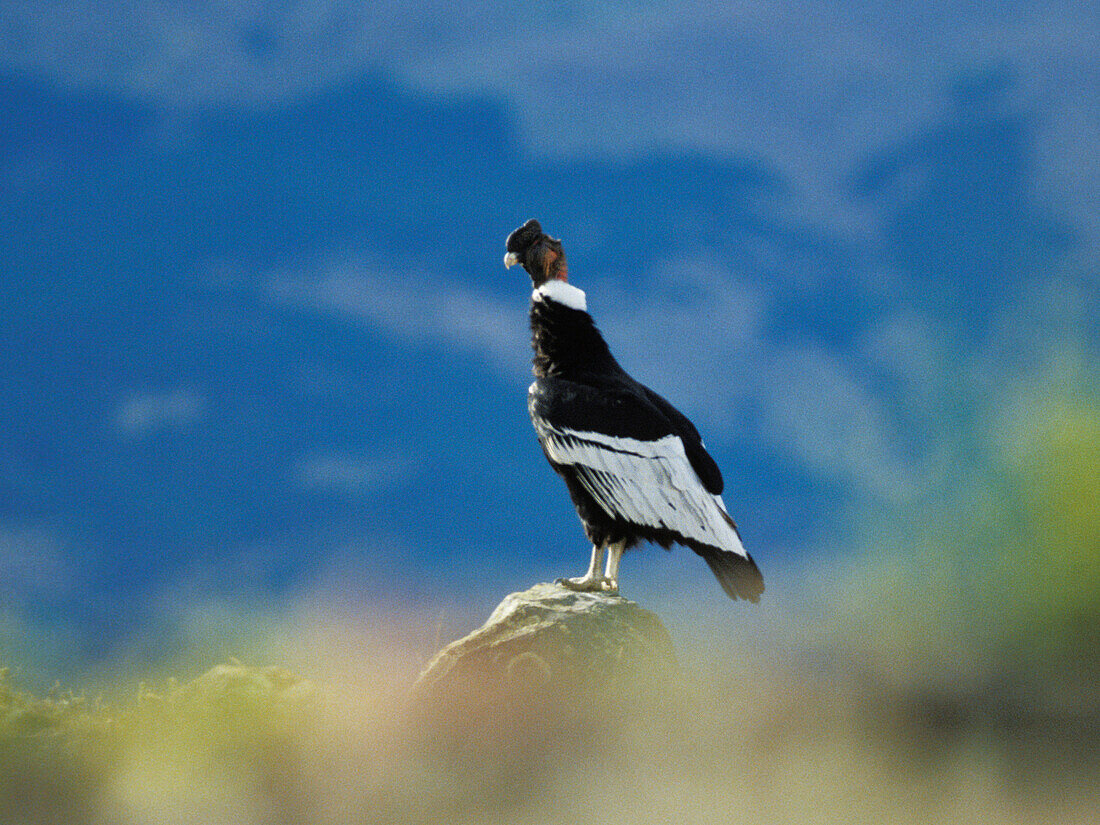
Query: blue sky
[257, 329]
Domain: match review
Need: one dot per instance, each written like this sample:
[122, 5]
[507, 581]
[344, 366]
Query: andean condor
[635, 466]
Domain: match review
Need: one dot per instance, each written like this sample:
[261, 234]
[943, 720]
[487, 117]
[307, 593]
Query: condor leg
[611, 578]
[594, 578]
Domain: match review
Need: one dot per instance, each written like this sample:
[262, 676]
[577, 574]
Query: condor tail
[738, 575]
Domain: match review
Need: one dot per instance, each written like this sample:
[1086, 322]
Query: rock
[551, 644]
[548, 681]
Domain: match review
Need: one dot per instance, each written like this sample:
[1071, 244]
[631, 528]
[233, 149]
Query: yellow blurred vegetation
[751, 742]
[168, 752]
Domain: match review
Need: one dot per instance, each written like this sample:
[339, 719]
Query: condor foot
[590, 584]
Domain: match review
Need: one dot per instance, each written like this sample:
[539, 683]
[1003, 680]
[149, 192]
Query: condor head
[541, 255]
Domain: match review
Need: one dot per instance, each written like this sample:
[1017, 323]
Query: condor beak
[510, 259]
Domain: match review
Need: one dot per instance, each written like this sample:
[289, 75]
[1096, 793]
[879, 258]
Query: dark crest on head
[541, 255]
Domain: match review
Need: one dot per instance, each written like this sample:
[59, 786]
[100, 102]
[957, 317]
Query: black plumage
[635, 466]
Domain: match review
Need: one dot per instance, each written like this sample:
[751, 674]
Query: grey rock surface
[551, 641]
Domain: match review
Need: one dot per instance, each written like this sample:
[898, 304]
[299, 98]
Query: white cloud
[350, 474]
[809, 74]
[816, 408]
[413, 306]
[808, 87]
[143, 413]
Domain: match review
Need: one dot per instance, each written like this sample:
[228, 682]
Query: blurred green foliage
[986, 588]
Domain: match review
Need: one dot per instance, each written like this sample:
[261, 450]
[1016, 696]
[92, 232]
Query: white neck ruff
[561, 292]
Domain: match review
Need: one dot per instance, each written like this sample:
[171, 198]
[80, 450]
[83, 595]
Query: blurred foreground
[740, 740]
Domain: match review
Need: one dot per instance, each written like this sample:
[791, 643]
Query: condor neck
[564, 337]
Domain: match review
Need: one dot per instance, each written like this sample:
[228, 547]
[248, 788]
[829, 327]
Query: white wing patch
[649, 483]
